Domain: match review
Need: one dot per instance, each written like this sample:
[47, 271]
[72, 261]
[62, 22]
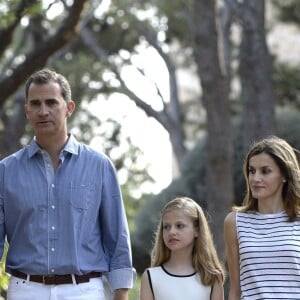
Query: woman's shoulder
[230, 218]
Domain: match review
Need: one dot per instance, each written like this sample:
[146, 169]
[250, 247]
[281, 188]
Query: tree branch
[38, 58]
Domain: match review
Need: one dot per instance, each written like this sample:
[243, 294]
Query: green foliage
[6, 15]
[287, 85]
[134, 292]
[4, 278]
[9, 9]
[288, 10]
[176, 15]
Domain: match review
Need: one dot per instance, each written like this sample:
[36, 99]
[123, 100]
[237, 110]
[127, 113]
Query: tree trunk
[219, 178]
[255, 70]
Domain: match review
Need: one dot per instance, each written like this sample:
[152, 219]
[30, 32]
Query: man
[61, 209]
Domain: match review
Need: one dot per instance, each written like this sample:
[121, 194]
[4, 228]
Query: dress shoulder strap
[150, 282]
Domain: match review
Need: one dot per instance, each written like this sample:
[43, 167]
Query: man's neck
[52, 145]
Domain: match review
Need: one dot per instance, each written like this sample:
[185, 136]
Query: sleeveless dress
[269, 247]
[166, 286]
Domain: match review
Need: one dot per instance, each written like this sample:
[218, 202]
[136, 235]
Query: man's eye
[34, 103]
[51, 102]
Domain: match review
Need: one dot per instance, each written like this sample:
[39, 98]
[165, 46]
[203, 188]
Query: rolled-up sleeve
[121, 278]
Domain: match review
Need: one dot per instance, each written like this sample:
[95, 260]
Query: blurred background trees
[219, 81]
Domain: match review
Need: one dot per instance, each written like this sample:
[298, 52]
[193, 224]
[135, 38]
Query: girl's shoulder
[156, 268]
[153, 271]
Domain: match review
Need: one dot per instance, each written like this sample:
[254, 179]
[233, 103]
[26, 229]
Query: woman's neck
[270, 207]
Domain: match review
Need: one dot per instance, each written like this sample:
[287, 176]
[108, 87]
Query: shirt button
[52, 185]
[52, 270]
[52, 249]
[53, 227]
[53, 206]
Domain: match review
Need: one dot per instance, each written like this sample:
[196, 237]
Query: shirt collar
[72, 146]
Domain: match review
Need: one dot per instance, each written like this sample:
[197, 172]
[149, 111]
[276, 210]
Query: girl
[263, 236]
[184, 262]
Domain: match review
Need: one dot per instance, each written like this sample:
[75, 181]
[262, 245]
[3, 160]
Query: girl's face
[178, 230]
[265, 179]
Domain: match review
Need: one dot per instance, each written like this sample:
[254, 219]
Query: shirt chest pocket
[83, 196]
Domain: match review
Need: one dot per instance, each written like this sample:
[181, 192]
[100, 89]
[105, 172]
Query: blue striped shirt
[269, 247]
[68, 221]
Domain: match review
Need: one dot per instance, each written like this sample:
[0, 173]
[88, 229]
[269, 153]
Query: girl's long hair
[204, 256]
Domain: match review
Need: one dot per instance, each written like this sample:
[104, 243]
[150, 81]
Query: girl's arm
[121, 294]
[145, 290]
[232, 252]
[217, 291]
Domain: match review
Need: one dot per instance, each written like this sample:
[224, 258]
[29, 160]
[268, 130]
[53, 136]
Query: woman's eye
[266, 171]
[251, 171]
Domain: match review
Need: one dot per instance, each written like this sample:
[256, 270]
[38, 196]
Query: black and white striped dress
[269, 248]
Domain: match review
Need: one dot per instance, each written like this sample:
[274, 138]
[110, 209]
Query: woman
[263, 235]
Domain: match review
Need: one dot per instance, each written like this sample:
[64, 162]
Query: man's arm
[115, 233]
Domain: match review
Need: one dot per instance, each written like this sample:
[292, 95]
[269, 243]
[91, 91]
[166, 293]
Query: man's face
[46, 109]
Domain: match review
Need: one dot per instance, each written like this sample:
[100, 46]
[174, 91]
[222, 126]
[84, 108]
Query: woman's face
[265, 178]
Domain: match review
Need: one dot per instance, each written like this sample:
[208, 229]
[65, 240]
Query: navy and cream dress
[269, 247]
[166, 286]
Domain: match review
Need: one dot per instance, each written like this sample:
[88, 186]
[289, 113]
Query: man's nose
[43, 109]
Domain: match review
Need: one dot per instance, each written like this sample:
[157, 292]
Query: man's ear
[70, 108]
